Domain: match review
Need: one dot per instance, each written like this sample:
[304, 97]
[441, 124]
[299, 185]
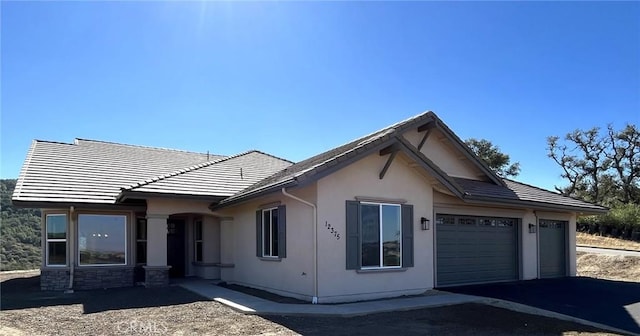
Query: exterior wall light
[532, 228]
[424, 223]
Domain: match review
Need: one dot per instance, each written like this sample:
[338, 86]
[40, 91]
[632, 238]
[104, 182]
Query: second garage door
[473, 249]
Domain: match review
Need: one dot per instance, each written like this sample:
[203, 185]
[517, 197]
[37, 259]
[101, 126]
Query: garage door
[473, 249]
[553, 252]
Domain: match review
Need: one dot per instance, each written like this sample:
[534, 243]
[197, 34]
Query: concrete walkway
[249, 304]
[608, 251]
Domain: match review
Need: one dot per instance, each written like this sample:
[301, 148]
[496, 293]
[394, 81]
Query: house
[396, 212]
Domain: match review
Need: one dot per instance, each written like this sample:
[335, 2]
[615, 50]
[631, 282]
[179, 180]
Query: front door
[176, 247]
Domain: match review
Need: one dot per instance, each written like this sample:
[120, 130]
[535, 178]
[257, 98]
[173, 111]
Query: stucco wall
[290, 276]
[168, 206]
[210, 248]
[336, 283]
[439, 150]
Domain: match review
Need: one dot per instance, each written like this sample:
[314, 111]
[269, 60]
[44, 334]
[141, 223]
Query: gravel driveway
[175, 311]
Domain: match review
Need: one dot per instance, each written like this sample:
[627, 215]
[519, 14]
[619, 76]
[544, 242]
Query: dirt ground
[175, 311]
[606, 242]
[610, 267]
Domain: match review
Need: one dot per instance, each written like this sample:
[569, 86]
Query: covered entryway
[472, 249]
[553, 250]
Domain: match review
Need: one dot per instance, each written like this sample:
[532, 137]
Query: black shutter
[259, 233]
[353, 235]
[407, 235]
[282, 231]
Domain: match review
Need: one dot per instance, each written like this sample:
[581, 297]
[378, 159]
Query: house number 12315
[333, 231]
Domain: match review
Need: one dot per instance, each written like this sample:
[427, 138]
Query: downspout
[71, 249]
[315, 242]
[535, 214]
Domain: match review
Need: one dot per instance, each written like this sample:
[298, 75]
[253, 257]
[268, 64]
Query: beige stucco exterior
[290, 276]
[361, 178]
[439, 150]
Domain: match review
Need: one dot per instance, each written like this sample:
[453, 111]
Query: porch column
[156, 270]
[227, 247]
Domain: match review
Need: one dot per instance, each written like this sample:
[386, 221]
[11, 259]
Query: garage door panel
[474, 253]
[552, 248]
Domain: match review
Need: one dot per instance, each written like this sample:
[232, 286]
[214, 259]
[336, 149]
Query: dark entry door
[176, 247]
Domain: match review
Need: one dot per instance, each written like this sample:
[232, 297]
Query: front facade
[400, 211]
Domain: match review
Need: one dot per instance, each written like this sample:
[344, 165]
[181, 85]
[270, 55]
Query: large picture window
[56, 240]
[381, 235]
[102, 239]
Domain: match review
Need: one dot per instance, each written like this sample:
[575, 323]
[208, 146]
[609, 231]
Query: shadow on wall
[22, 293]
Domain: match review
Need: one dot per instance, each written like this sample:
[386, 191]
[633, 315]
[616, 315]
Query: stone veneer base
[57, 279]
[156, 276]
[54, 279]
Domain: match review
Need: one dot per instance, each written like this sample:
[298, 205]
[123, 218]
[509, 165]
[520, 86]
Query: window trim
[198, 223]
[277, 254]
[381, 264]
[56, 240]
[126, 252]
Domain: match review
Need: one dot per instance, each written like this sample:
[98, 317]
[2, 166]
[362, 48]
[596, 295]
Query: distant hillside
[19, 233]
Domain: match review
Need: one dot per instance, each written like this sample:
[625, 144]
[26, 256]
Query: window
[102, 239]
[56, 240]
[379, 235]
[271, 232]
[198, 241]
[141, 241]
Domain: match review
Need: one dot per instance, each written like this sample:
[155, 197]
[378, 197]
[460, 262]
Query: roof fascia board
[101, 206]
[460, 145]
[533, 205]
[431, 167]
[132, 194]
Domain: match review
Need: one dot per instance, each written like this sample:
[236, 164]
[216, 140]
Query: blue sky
[295, 79]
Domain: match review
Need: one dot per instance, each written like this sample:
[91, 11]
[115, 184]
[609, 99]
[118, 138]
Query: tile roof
[89, 171]
[520, 192]
[223, 177]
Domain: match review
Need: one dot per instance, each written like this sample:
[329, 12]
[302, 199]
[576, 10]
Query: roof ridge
[271, 155]
[55, 142]
[142, 146]
[184, 171]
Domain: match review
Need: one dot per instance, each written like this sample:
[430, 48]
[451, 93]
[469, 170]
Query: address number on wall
[331, 229]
